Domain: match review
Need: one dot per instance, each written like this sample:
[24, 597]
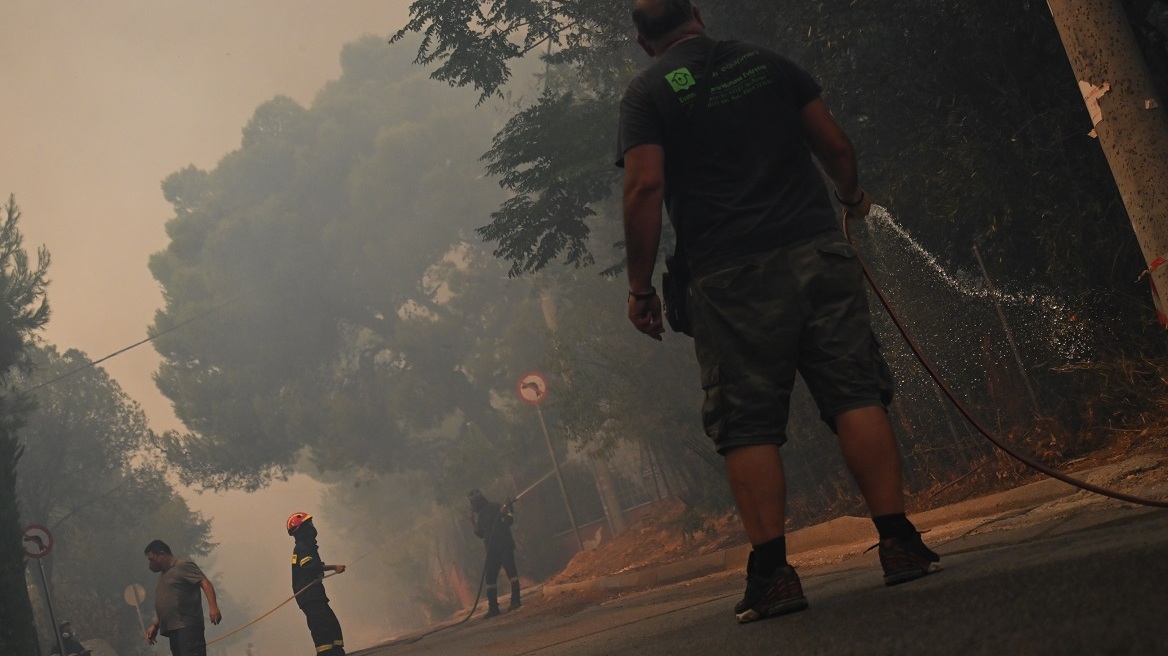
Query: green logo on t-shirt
[680, 79]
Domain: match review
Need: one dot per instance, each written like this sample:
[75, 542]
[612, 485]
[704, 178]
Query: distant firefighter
[307, 571]
[492, 522]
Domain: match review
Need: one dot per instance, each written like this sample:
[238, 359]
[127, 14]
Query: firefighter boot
[492, 602]
[514, 595]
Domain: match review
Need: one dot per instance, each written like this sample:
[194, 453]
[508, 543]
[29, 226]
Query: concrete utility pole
[1129, 121]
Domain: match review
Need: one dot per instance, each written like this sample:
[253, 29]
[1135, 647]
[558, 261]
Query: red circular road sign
[37, 541]
[532, 388]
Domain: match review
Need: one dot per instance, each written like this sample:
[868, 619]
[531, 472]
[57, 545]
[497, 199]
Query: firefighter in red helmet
[307, 571]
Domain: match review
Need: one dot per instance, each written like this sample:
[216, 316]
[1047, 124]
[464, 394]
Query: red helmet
[295, 520]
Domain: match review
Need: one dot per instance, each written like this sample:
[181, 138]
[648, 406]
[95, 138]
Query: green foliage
[325, 256]
[89, 474]
[548, 155]
[477, 43]
[24, 309]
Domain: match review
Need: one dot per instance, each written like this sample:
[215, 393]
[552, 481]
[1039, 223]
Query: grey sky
[100, 101]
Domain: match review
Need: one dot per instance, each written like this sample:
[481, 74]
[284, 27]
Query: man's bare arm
[644, 189]
[835, 152]
[212, 604]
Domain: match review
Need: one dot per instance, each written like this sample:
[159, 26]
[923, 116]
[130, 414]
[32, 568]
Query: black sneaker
[906, 559]
[778, 594]
[742, 605]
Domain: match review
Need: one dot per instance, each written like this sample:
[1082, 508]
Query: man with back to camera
[775, 287]
[178, 601]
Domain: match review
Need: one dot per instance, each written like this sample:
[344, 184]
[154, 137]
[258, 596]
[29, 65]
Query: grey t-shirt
[178, 599]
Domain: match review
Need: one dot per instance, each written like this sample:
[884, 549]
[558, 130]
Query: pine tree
[23, 310]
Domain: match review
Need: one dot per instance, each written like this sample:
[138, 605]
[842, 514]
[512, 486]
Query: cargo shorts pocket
[840, 248]
[714, 410]
[836, 269]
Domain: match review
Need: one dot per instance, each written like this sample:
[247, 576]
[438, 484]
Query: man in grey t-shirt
[178, 601]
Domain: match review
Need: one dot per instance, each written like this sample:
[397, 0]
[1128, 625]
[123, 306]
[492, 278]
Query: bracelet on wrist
[641, 296]
[846, 203]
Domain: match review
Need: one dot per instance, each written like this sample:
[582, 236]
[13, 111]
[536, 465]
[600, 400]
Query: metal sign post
[532, 388]
[134, 595]
[38, 542]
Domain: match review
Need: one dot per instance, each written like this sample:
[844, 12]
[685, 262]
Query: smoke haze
[102, 100]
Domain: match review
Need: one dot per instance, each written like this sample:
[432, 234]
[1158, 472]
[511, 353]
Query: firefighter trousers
[325, 629]
[504, 558]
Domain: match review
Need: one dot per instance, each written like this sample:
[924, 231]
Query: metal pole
[141, 624]
[49, 602]
[560, 479]
[1009, 334]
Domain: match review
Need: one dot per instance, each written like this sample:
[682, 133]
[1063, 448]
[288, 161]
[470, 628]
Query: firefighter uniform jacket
[306, 568]
[492, 523]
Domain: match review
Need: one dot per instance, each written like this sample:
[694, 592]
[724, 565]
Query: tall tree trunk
[609, 498]
[17, 629]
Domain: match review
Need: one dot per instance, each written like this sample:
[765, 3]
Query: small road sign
[532, 387]
[37, 541]
[134, 594]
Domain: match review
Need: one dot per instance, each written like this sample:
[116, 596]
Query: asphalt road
[1086, 581]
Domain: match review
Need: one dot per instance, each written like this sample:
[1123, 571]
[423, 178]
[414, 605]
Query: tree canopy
[325, 256]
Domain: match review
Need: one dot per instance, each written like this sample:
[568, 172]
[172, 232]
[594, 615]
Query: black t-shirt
[755, 185]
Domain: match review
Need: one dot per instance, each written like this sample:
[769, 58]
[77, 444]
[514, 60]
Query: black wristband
[846, 203]
[641, 296]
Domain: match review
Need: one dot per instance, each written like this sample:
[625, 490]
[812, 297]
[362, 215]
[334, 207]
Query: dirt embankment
[673, 534]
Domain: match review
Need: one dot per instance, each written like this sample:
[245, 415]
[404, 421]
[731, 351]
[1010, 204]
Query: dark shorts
[188, 641]
[760, 319]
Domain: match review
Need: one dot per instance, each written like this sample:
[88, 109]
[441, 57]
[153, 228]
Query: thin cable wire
[139, 343]
[1008, 450]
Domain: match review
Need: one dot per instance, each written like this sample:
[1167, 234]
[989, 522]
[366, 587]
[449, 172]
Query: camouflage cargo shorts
[759, 319]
